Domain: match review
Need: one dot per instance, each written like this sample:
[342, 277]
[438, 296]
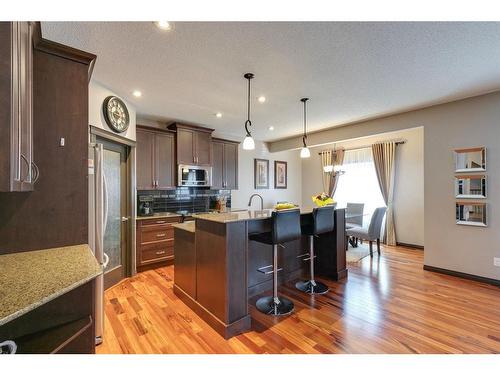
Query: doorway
[116, 239]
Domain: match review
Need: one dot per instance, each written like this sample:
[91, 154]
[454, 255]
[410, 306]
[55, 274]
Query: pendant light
[248, 142]
[304, 152]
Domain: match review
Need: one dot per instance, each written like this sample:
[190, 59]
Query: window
[359, 183]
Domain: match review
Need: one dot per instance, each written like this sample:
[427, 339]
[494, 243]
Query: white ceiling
[351, 71]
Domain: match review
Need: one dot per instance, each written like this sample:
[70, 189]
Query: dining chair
[372, 233]
[354, 215]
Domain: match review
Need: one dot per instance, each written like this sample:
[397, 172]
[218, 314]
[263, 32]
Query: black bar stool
[323, 222]
[285, 228]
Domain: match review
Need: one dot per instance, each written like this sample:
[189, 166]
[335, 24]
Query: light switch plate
[496, 262]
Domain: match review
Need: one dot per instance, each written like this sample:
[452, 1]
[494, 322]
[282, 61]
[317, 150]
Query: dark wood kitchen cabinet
[64, 325]
[155, 241]
[155, 159]
[18, 171]
[225, 164]
[193, 144]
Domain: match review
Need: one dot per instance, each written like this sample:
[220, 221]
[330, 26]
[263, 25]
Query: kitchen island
[216, 264]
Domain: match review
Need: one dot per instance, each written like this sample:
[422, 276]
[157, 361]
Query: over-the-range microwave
[194, 175]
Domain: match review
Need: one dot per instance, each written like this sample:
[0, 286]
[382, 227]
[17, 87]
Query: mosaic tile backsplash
[185, 199]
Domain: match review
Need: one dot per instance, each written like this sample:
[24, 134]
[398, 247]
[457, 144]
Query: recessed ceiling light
[261, 99]
[164, 25]
[137, 93]
[271, 128]
[218, 115]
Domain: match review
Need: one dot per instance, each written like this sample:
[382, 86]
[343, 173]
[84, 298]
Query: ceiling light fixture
[137, 93]
[271, 128]
[218, 115]
[248, 142]
[164, 25]
[261, 99]
[304, 152]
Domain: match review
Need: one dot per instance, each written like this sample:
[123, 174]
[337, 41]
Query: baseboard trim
[420, 247]
[462, 275]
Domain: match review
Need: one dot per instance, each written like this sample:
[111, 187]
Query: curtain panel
[384, 159]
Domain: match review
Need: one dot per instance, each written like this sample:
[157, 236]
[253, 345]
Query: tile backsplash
[185, 199]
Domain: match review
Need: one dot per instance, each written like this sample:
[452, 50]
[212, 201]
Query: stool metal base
[268, 306]
[312, 287]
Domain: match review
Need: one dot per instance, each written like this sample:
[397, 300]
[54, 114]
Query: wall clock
[116, 114]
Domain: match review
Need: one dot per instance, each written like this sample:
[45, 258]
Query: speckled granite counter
[159, 215]
[30, 279]
[228, 217]
[188, 226]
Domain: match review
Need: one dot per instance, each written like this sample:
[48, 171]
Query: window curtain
[331, 179]
[384, 159]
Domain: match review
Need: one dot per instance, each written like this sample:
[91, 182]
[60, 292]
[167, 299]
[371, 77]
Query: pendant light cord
[304, 137]
[248, 123]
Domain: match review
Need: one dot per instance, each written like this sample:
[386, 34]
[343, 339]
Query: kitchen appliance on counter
[194, 175]
[146, 205]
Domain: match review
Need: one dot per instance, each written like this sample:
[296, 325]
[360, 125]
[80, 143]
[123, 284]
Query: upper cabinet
[225, 164]
[155, 159]
[194, 144]
[18, 171]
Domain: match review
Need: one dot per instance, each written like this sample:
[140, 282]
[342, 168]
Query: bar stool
[322, 223]
[285, 228]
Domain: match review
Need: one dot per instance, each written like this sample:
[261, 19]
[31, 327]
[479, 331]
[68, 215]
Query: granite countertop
[33, 278]
[188, 226]
[159, 215]
[228, 217]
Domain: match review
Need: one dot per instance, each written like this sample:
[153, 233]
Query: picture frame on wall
[280, 174]
[261, 173]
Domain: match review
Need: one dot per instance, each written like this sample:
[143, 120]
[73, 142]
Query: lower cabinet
[155, 241]
[64, 325]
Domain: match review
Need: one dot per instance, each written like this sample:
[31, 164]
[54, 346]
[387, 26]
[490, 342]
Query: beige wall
[246, 178]
[97, 94]
[409, 184]
[469, 122]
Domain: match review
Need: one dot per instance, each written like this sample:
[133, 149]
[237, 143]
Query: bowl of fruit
[322, 199]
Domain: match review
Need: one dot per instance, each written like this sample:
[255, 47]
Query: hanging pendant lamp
[304, 151]
[248, 142]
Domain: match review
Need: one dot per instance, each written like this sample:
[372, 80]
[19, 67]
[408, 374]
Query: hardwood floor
[388, 304]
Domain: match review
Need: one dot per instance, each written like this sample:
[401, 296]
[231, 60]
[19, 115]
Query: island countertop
[188, 226]
[243, 215]
[31, 279]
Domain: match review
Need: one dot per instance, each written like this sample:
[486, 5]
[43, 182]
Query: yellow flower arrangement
[322, 199]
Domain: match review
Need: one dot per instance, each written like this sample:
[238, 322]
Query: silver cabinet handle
[106, 260]
[37, 172]
[8, 347]
[161, 235]
[161, 222]
[160, 252]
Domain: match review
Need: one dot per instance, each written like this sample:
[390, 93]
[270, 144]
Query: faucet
[261, 200]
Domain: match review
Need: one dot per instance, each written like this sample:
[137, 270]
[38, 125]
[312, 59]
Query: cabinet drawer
[157, 251]
[159, 221]
[151, 234]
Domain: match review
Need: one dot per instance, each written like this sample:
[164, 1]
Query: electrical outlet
[496, 262]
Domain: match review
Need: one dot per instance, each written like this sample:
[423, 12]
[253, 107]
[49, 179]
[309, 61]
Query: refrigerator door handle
[106, 260]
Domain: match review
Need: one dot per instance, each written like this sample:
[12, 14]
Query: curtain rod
[399, 142]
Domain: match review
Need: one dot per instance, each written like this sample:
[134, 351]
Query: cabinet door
[203, 148]
[165, 161]
[230, 166]
[185, 146]
[145, 160]
[218, 165]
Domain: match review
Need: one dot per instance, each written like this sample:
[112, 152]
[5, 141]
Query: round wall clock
[116, 114]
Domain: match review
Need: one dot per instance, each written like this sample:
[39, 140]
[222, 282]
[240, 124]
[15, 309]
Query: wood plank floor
[389, 304]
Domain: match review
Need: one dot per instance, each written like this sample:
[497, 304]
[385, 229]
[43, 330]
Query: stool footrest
[302, 255]
[309, 258]
[263, 270]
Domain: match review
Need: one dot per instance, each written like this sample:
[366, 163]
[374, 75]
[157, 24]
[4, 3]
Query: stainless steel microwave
[194, 175]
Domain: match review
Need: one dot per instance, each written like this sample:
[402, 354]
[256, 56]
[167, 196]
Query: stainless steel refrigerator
[98, 199]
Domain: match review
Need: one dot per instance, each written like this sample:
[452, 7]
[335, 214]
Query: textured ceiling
[351, 71]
